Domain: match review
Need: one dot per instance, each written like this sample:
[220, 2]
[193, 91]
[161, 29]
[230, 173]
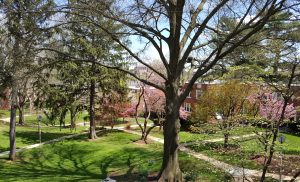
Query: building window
[187, 107]
[198, 93]
[190, 95]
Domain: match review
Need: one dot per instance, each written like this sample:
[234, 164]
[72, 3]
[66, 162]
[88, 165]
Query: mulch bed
[291, 164]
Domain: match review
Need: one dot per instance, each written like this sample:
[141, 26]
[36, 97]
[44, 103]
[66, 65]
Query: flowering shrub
[270, 107]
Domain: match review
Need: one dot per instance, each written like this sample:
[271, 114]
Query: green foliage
[249, 73]
[204, 129]
[261, 55]
[228, 100]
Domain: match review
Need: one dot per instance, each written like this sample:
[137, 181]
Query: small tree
[273, 113]
[124, 110]
[148, 102]
[110, 105]
[223, 103]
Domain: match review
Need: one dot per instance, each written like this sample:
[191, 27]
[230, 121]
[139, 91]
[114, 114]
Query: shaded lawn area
[242, 152]
[29, 135]
[114, 154]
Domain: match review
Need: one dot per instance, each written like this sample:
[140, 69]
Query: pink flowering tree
[147, 102]
[274, 110]
[271, 108]
[124, 110]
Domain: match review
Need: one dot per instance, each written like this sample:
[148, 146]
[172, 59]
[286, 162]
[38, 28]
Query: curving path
[7, 120]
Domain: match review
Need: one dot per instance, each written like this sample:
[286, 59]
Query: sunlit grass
[113, 154]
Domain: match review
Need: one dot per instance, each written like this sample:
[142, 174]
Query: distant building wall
[197, 90]
[4, 100]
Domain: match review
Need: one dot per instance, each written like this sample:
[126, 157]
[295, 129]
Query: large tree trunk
[12, 129]
[62, 118]
[31, 105]
[73, 118]
[170, 170]
[21, 115]
[92, 134]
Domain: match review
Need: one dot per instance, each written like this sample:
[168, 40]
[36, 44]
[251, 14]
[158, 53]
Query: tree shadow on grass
[57, 161]
[77, 161]
[140, 162]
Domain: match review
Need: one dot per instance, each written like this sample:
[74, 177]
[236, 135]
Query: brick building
[197, 90]
[4, 100]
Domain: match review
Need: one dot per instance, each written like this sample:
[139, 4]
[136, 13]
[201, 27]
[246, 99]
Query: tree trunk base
[93, 136]
[171, 176]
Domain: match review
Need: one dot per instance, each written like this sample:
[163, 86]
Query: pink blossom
[183, 114]
[271, 107]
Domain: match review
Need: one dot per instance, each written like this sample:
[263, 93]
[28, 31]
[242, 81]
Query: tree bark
[12, 129]
[170, 170]
[31, 105]
[21, 115]
[226, 138]
[92, 134]
[148, 132]
[270, 157]
[73, 116]
[62, 118]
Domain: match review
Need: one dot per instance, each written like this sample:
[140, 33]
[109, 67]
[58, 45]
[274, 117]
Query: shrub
[204, 129]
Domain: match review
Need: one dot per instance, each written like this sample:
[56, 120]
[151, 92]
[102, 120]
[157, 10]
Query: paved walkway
[7, 120]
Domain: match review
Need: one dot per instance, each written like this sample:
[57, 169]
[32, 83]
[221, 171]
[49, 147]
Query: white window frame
[187, 107]
[190, 95]
[198, 93]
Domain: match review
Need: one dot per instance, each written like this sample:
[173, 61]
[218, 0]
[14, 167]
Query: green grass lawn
[113, 153]
[32, 120]
[29, 135]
